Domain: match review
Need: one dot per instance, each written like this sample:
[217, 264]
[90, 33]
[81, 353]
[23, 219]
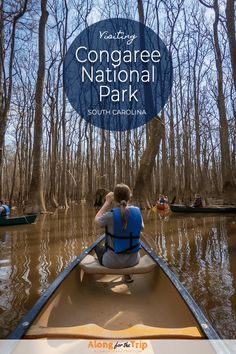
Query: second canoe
[18, 220]
[189, 209]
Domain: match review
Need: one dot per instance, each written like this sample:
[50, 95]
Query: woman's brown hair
[122, 194]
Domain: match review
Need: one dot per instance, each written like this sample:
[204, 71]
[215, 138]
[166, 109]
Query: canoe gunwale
[201, 319]
[30, 316]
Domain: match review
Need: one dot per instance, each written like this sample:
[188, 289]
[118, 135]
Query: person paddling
[4, 209]
[198, 201]
[123, 225]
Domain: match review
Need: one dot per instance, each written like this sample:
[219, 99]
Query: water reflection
[32, 256]
[201, 251]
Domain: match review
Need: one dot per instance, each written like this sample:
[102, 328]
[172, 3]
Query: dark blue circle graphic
[118, 74]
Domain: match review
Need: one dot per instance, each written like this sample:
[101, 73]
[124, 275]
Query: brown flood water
[200, 250]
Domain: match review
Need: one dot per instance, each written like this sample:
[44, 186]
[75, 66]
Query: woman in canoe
[123, 225]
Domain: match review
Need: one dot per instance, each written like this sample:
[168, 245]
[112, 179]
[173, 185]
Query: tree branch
[206, 5]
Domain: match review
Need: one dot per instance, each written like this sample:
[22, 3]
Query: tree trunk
[172, 188]
[127, 159]
[110, 180]
[186, 141]
[230, 23]
[103, 176]
[164, 170]
[6, 90]
[200, 180]
[144, 175]
[228, 187]
[63, 194]
[35, 201]
[52, 192]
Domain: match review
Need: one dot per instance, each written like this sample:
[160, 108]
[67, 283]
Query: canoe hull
[18, 220]
[119, 310]
[160, 211]
[162, 206]
[186, 209]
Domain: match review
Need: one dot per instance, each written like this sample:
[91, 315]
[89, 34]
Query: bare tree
[36, 198]
[189, 148]
[227, 178]
[6, 74]
[147, 161]
[230, 23]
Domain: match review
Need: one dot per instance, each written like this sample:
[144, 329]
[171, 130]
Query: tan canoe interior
[104, 306]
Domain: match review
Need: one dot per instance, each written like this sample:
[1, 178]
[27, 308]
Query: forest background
[50, 157]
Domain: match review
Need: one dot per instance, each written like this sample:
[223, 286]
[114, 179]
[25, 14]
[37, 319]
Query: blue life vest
[7, 210]
[126, 240]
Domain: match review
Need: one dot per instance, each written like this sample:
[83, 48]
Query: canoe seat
[92, 330]
[91, 265]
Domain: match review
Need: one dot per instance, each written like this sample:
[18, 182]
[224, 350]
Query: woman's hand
[106, 206]
[109, 198]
